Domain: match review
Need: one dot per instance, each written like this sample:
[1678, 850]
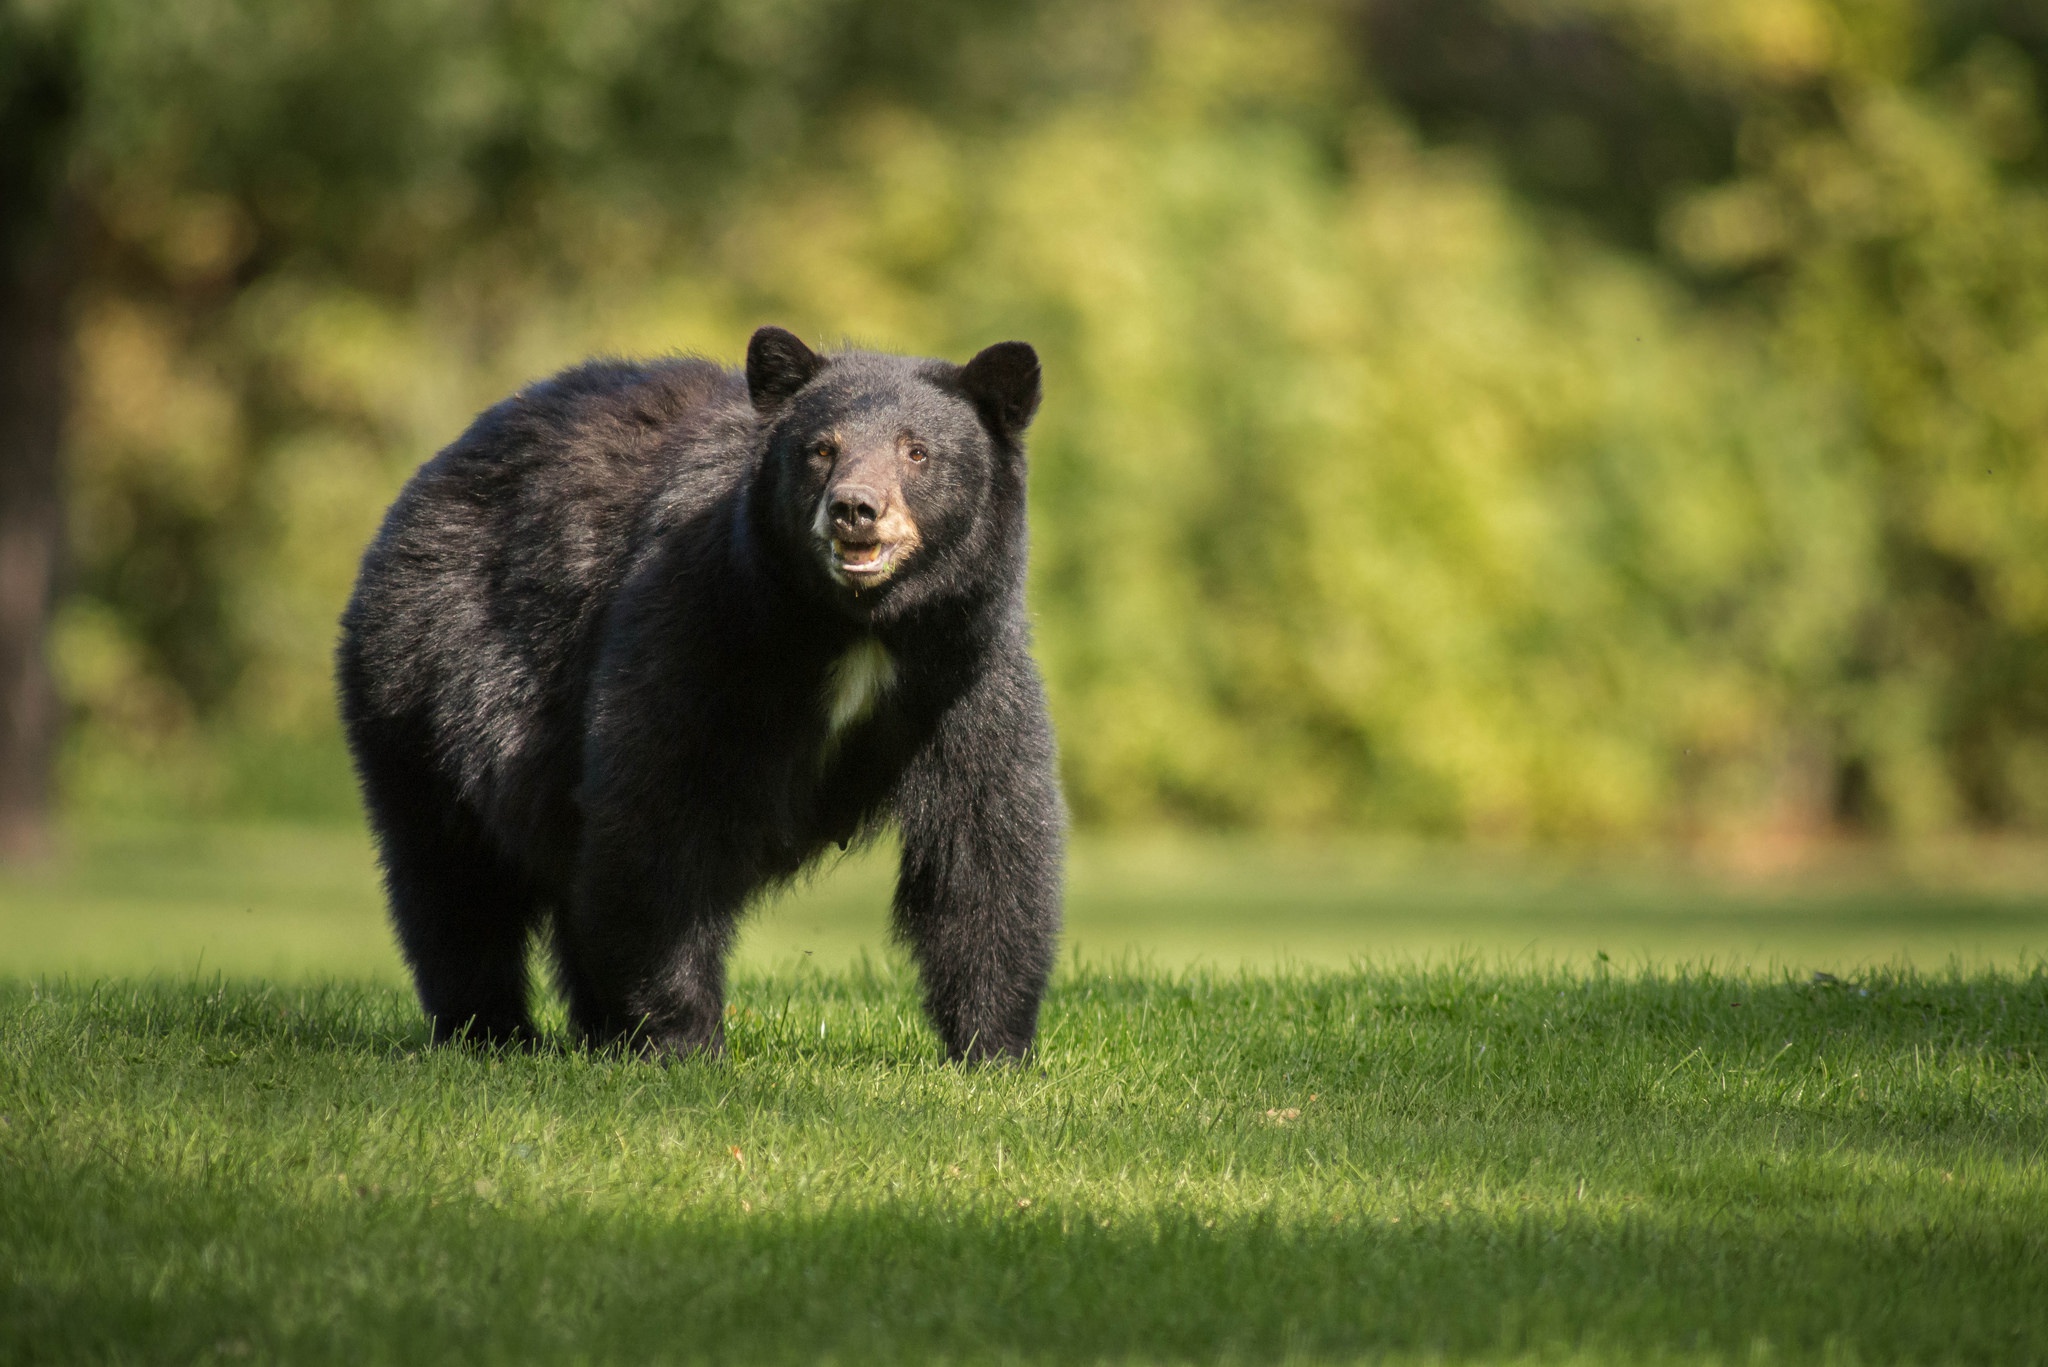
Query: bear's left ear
[1003, 383]
[778, 365]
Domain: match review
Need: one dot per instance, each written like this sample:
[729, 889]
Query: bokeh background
[1600, 426]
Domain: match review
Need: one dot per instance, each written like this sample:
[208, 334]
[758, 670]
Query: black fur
[587, 671]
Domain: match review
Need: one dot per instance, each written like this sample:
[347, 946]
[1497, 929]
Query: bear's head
[893, 480]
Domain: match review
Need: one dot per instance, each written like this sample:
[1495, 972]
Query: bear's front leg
[978, 895]
[642, 951]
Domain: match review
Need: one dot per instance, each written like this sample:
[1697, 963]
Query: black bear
[648, 638]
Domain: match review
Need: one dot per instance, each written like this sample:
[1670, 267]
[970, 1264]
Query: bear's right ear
[778, 365]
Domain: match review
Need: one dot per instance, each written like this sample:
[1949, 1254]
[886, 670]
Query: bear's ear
[1003, 383]
[778, 365]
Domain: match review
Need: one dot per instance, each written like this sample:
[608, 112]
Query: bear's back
[475, 618]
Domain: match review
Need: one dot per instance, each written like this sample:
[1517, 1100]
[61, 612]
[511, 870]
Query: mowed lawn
[1306, 1132]
[302, 903]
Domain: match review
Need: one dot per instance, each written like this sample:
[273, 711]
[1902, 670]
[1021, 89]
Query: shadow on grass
[463, 1281]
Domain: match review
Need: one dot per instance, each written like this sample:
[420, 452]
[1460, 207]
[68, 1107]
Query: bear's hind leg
[464, 922]
[463, 913]
[649, 982]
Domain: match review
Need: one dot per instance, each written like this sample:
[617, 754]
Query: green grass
[1454, 1163]
[1490, 1145]
[293, 903]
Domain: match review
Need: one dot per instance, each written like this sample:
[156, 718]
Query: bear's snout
[865, 530]
[855, 511]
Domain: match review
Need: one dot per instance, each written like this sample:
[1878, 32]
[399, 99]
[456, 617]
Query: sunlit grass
[291, 903]
[1289, 1104]
[1454, 1163]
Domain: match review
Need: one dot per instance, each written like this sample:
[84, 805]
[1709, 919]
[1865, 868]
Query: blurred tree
[1533, 419]
[38, 269]
[1577, 114]
[1869, 178]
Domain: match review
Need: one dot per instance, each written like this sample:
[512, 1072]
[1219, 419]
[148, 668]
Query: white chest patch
[855, 683]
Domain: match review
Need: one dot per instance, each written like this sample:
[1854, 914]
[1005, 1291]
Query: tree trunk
[38, 252]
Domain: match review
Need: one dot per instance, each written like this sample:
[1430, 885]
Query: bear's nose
[855, 509]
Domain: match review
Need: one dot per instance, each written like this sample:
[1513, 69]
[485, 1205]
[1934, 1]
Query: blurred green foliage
[1557, 420]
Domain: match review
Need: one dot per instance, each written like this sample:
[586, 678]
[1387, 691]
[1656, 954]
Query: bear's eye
[917, 454]
[822, 451]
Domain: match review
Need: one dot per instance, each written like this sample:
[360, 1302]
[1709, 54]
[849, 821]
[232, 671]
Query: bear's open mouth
[862, 560]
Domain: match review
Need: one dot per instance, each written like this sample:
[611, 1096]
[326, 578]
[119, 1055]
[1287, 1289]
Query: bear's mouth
[863, 560]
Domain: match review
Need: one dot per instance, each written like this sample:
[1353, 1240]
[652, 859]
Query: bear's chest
[855, 685]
